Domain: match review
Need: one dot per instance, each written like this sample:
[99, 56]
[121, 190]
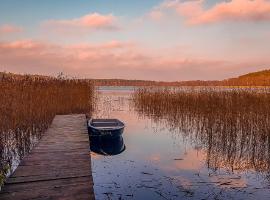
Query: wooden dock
[59, 167]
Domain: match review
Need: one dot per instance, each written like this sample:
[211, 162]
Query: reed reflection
[233, 126]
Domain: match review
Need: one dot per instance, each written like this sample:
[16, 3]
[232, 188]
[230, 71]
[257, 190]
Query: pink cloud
[114, 44]
[21, 44]
[115, 59]
[7, 29]
[239, 10]
[94, 21]
[156, 14]
[234, 10]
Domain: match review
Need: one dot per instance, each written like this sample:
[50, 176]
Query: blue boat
[105, 128]
[107, 147]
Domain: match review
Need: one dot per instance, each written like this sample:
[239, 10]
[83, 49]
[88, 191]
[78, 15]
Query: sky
[168, 40]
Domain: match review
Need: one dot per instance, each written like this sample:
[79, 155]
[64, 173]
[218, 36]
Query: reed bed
[231, 124]
[28, 105]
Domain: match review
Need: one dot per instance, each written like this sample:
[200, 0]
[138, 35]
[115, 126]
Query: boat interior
[106, 123]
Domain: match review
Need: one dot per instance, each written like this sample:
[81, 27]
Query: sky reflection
[163, 163]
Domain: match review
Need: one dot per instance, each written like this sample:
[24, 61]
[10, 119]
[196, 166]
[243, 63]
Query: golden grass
[232, 125]
[28, 105]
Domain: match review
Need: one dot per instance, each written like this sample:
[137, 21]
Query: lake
[163, 162]
[167, 153]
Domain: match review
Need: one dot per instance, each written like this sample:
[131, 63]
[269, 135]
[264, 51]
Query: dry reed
[28, 105]
[232, 125]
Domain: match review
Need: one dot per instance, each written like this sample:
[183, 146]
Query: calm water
[159, 162]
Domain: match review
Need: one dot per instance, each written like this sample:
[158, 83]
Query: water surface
[160, 162]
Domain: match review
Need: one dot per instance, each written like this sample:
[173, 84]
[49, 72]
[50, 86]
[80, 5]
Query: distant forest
[260, 78]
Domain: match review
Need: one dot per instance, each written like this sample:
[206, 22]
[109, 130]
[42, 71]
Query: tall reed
[28, 105]
[232, 125]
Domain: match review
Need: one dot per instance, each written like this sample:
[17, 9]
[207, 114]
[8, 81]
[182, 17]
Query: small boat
[105, 128]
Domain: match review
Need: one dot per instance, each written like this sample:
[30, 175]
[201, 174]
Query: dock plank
[59, 167]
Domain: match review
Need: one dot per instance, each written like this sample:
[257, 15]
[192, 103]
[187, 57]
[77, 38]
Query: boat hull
[104, 146]
[109, 134]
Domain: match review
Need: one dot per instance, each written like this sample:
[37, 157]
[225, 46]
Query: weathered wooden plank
[59, 167]
[52, 182]
[75, 191]
[41, 177]
[36, 170]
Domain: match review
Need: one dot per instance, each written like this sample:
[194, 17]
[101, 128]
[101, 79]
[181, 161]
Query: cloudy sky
[154, 39]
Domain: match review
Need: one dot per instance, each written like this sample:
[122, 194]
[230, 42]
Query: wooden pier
[59, 167]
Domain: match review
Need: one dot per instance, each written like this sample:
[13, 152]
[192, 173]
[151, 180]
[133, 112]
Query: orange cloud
[234, 10]
[7, 29]
[94, 21]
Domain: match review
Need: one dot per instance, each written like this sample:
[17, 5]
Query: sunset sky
[144, 39]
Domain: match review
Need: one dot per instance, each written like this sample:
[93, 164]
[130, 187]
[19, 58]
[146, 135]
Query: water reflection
[182, 155]
[104, 146]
